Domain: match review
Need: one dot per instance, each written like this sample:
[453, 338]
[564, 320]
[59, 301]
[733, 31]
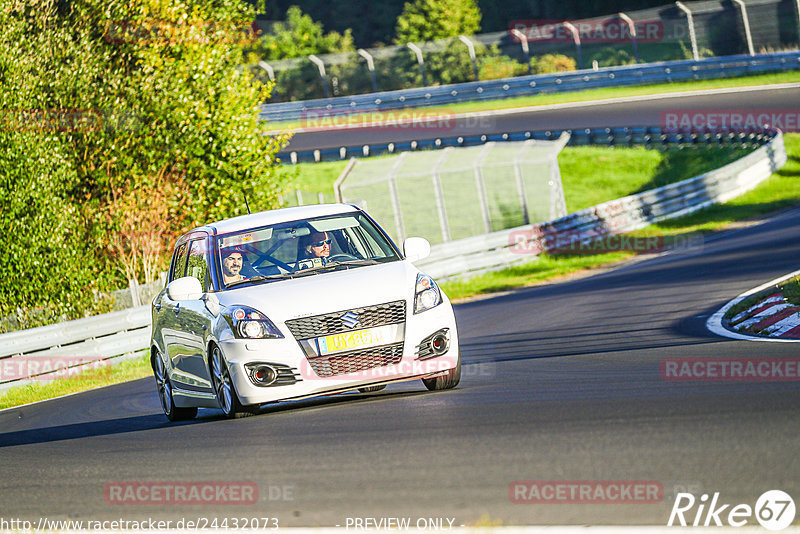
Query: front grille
[359, 360]
[332, 323]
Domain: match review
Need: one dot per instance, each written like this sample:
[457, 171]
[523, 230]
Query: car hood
[327, 292]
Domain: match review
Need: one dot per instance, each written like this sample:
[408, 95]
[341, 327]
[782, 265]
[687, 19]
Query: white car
[295, 303]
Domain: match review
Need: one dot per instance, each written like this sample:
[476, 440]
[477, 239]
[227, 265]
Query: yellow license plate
[358, 339]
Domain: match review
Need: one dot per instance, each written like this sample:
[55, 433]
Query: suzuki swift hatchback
[295, 303]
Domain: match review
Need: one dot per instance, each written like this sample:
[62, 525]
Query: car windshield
[301, 248]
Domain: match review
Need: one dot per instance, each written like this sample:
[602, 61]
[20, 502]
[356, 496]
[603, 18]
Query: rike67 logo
[774, 510]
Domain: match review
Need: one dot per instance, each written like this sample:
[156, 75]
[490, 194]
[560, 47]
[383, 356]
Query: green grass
[790, 290]
[590, 175]
[543, 269]
[104, 376]
[590, 94]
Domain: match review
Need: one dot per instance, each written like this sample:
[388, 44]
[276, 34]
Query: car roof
[265, 218]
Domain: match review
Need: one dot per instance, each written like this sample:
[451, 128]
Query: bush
[496, 67]
[429, 20]
[612, 57]
[552, 63]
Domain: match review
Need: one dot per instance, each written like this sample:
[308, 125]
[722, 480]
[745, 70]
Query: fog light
[263, 375]
[439, 343]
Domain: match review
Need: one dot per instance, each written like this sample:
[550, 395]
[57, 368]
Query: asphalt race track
[646, 112]
[561, 383]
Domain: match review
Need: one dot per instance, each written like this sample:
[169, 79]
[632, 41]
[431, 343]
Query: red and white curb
[772, 318]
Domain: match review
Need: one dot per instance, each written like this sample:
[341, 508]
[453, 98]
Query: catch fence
[675, 31]
[455, 193]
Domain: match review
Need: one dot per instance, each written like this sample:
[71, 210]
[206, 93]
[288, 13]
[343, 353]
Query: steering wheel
[342, 257]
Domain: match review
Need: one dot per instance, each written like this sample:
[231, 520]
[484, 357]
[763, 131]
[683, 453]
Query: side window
[178, 263]
[197, 266]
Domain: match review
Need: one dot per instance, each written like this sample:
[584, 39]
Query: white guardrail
[55, 351]
[51, 352]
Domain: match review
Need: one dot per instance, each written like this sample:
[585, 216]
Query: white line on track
[548, 107]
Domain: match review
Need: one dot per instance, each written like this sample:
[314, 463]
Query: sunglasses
[321, 243]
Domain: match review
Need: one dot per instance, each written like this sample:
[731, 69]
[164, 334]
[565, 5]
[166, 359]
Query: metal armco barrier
[648, 136]
[649, 73]
[43, 353]
[500, 249]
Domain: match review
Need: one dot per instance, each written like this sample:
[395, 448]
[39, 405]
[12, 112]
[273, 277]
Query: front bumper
[288, 351]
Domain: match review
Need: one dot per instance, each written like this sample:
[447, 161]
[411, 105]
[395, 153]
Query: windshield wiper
[333, 265]
[313, 270]
[261, 278]
[355, 262]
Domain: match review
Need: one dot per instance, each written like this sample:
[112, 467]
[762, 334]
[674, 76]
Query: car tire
[224, 390]
[371, 389]
[449, 380]
[164, 387]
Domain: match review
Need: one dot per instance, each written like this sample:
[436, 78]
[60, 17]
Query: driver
[316, 245]
[232, 262]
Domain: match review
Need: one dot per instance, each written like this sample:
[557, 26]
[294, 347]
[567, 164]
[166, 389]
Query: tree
[100, 108]
[300, 36]
[428, 20]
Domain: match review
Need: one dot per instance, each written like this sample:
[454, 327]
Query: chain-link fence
[450, 194]
[680, 30]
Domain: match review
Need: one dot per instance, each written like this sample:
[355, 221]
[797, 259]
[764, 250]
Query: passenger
[232, 262]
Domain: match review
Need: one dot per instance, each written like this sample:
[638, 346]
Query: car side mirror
[416, 248]
[186, 288]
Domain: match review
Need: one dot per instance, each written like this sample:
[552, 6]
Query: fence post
[321, 66]
[471, 48]
[523, 40]
[576, 38]
[395, 198]
[523, 199]
[797, 5]
[481, 186]
[370, 66]
[438, 194]
[692, 34]
[632, 28]
[267, 67]
[746, 22]
[299, 197]
[337, 185]
[420, 60]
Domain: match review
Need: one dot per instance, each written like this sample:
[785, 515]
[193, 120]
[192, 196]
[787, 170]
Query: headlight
[251, 324]
[426, 294]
